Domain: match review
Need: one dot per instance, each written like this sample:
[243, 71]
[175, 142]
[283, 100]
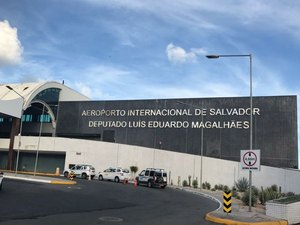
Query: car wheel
[100, 178]
[163, 186]
[0, 186]
[92, 177]
[84, 176]
[149, 184]
[117, 179]
[66, 174]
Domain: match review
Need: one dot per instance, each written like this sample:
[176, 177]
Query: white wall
[103, 155]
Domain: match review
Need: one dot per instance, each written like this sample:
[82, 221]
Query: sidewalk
[39, 177]
[240, 214]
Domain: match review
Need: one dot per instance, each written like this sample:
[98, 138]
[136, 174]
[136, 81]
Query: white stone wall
[289, 212]
[103, 155]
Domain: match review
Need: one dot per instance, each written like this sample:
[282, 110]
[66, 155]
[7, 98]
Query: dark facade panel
[183, 125]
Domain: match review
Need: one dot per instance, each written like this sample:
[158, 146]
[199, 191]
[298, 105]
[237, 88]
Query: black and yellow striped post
[227, 201]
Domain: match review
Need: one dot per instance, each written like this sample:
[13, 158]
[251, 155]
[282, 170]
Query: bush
[225, 188]
[290, 194]
[245, 198]
[274, 187]
[216, 187]
[234, 193]
[268, 194]
[242, 184]
[206, 185]
[195, 183]
[221, 187]
[185, 183]
[255, 191]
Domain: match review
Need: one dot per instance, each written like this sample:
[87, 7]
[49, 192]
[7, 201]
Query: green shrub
[195, 183]
[290, 194]
[274, 187]
[225, 188]
[234, 193]
[213, 189]
[242, 184]
[255, 191]
[221, 187]
[216, 187]
[268, 194]
[289, 199]
[206, 185]
[185, 183]
[245, 198]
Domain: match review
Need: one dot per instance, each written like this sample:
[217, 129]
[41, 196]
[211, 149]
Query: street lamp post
[20, 131]
[251, 112]
[39, 140]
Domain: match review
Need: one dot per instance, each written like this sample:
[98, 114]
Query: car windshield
[125, 170]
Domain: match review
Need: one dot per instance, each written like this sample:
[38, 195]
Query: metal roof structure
[15, 98]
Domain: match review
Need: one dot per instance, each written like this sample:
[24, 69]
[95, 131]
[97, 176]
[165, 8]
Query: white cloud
[10, 46]
[177, 54]
[83, 89]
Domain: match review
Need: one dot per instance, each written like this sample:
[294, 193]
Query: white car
[82, 171]
[116, 174]
[1, 179]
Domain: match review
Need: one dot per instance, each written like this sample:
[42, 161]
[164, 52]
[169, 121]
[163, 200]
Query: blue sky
[134, 49]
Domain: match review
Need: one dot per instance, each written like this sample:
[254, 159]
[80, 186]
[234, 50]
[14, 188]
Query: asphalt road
[95, 202]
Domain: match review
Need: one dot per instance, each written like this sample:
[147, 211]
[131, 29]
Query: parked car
[82, 171]
[1, 180]
[152, 177]
[116, 174]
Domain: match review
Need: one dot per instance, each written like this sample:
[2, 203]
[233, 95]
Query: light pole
[39, 140]
[20, 131]
[251, 112]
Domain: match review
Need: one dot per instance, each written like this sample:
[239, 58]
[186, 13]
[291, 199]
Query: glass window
[142, 173]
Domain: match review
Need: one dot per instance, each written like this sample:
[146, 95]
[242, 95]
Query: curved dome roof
[17, 97]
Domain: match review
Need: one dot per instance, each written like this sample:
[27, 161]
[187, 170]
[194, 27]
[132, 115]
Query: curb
[218, 220]
[63, 182]
[213, 219]
[41, 180]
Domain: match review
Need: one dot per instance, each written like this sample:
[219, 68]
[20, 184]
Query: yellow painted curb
[32, 173]
[63, 182]
[213, 219]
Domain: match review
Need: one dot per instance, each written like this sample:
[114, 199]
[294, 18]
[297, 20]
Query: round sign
[249, 158]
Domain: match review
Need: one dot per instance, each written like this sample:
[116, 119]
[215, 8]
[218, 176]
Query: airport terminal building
[211, 127]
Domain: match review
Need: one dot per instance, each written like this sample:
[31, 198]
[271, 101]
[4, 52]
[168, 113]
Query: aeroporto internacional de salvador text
[134, 122]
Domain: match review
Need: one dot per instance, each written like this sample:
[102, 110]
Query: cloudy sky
[133, 49]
